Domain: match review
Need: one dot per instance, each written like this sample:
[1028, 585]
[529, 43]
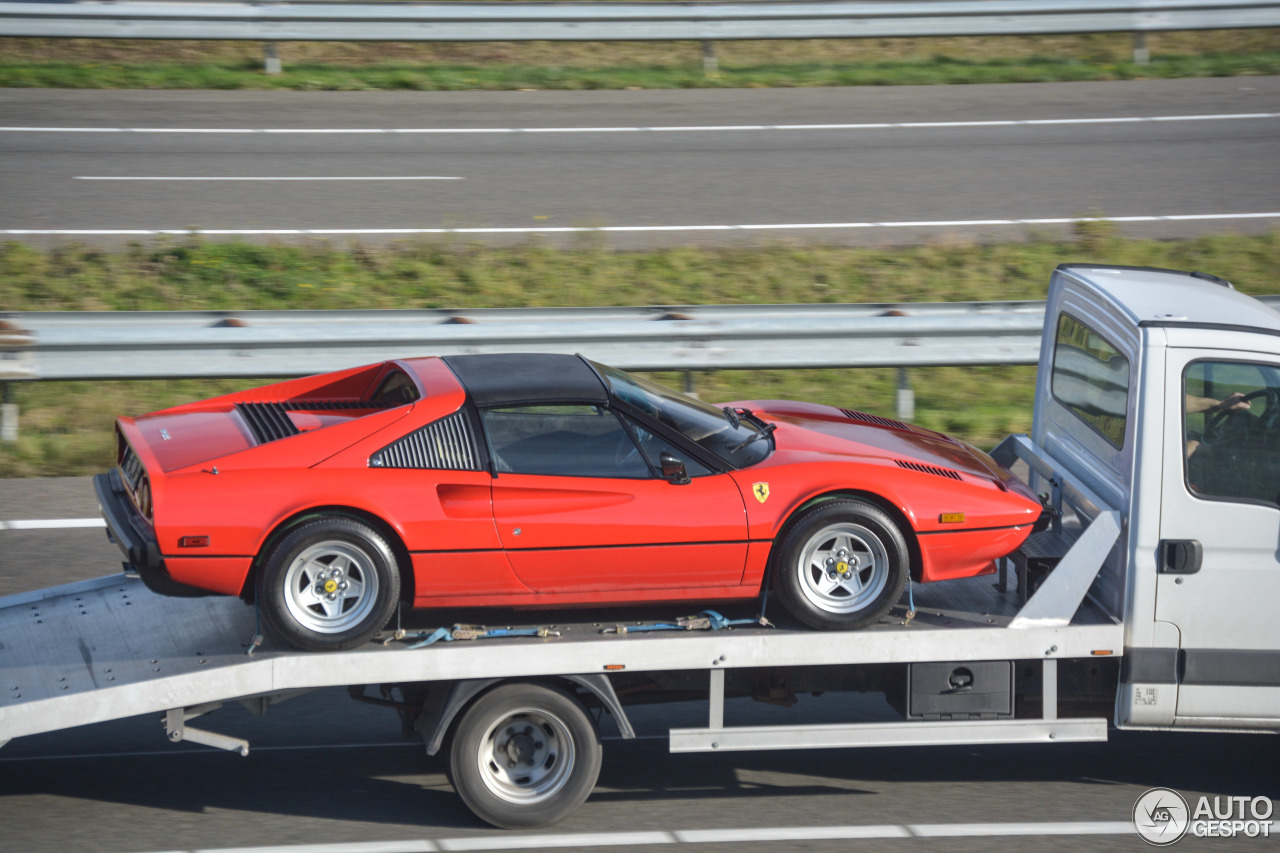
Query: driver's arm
[1233, 402]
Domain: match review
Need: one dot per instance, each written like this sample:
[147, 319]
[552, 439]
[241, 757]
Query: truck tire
[524, 756]
[331, 583]
[841, 566]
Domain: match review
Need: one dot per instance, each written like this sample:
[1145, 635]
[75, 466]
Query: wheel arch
[464, 694]
[404, 562]
[879, 501]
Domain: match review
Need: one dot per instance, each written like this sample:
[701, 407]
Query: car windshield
[738, 441]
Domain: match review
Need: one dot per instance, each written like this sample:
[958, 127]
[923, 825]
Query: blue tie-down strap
[707, 620]
[476, 632]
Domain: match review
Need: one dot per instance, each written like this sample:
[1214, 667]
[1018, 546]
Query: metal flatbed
[109, 648]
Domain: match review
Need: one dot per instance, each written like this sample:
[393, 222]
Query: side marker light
[193, 542]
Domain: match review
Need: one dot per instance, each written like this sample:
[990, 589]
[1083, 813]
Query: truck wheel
[331, 583]
[842, 565]
[524, 756]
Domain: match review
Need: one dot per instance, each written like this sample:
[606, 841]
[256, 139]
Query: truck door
[1219, 554]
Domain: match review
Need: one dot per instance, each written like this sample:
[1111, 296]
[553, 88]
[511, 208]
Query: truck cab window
[1231, 419]
[1091, 378]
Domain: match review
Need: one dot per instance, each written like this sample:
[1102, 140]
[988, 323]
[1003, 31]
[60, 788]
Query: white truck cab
[1160, 392]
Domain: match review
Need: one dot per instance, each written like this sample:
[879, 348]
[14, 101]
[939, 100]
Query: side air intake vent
[268, 421]
[928, 469]
[448, 444]
[875, 419]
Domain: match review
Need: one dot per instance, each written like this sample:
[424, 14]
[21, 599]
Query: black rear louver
[448, 444]
[875, 419]
[928, 469]
[270, 421]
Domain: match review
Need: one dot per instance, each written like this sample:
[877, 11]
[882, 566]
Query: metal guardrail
[623, 21]
[216, 344]
[173, 345]
[69, 345]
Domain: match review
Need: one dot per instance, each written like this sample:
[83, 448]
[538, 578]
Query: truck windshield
[738, 441]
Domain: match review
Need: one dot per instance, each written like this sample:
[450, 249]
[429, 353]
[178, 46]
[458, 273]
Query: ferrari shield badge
[761, 491]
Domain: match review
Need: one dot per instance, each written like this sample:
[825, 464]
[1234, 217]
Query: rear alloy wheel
[842, 565]
[331, 583]
[524, 756]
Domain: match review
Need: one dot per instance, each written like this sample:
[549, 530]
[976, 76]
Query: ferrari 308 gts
[538, 480]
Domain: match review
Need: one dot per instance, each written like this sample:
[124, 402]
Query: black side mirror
[673, 470]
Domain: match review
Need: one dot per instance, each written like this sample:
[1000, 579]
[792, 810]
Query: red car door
[580, 510]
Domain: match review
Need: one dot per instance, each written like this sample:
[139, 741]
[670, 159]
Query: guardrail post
[710, 64]
[8, 415]
[906, 397]
[16, 362]
[271, 58]
[1141, 55]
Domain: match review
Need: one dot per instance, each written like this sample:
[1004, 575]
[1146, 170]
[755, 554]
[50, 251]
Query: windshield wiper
[766, 429]
[732, 417]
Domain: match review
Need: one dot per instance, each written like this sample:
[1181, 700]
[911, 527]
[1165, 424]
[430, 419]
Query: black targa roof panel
[495, 379]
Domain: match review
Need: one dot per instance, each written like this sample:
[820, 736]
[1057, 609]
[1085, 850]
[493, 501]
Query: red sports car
[520, 480]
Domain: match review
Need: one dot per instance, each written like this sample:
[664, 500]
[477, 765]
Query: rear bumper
[134, 539]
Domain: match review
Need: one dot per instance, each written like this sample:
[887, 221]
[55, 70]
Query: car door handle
[1180, 556]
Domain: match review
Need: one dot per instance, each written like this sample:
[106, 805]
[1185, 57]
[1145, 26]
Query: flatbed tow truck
[1147, 604]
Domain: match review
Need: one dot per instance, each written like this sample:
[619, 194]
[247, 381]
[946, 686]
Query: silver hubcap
[331, 587]
[843, 568]
[527, 756]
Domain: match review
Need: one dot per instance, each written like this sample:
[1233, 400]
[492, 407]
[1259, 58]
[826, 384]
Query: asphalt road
[325, 770]
[687, 161]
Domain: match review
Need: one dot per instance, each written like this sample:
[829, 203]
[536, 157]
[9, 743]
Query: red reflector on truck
[193, 542]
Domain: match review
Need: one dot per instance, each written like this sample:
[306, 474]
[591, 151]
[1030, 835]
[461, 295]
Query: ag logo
[1161, 816]
[761, 491]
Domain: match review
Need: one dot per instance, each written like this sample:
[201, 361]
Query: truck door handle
[1180, 556]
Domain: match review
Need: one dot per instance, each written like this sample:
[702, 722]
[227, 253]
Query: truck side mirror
[673, 470]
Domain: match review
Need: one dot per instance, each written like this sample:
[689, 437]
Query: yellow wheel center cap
[331, 585]
[842, 567]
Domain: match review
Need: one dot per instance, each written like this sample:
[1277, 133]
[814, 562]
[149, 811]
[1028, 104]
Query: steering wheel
[1214, 426]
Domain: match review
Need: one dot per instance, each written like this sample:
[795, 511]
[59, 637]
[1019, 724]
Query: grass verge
[65, 426]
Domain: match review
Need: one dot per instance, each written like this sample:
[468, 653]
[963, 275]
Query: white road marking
[414, 846]
[327, 178]
[51, 523]
[612, 229]
[722, 128]
[790, 834]
[578, 839]
[988, 830]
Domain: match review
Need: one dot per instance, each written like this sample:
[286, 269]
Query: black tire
[841, 566]
[524, 756]
[330, 583]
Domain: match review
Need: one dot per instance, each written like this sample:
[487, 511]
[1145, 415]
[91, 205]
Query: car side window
[653, 446]
[1231, 426]
[573, 440]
